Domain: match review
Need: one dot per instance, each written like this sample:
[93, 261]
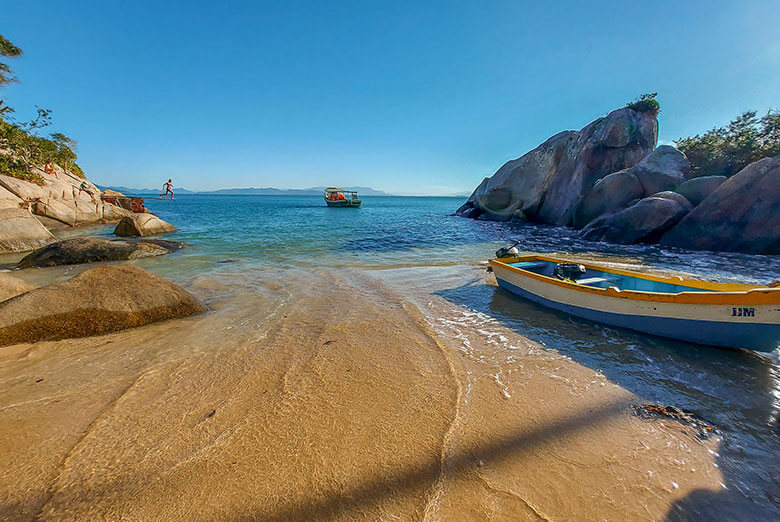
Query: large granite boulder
[98, 301]
[20, 231]
[674, 196]
[661, 170]
[55, 209]
[90, 250]
[610, 194]
[741, 215]
[547, 182]
[9, 199]
[658, 172]
[62, 198]
[143, 225]
[696, 190]
[11, 286]
[643, 222]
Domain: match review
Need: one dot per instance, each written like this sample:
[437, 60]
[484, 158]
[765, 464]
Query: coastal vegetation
[724, 151]
[646, 103]
[21, 142]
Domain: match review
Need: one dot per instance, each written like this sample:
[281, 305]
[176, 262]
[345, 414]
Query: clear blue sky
[409, 97]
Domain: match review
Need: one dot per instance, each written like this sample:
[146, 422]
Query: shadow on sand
[736, 391]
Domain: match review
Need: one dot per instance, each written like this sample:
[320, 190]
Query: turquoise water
[398, 231]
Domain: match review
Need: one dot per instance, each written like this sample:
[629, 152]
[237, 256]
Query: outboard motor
[509, 251]
[568, 271]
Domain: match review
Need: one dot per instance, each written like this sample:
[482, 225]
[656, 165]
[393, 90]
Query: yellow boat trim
[722, 293]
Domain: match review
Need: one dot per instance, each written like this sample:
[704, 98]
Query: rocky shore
[611, 181]
[99, 300]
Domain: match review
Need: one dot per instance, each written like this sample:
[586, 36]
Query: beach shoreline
[329, 392]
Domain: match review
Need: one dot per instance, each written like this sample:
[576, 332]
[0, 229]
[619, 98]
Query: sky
[407, 97]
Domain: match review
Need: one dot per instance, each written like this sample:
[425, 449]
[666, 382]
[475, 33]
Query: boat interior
[603, 279]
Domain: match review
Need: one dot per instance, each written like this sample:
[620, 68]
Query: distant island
[264, 191]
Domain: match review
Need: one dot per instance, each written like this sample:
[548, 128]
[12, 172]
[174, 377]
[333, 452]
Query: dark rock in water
[643, 222]
[165, 243]
[741, 215]
[674, 196]
[661, 170]
[518, 216]
[143, 225]
[547, 182]
[98, 301]
[696, 190]
[89, 250]
[610, 194]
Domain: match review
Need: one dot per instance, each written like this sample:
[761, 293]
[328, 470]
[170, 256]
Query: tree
[646, 103]
[26, 148]
[8, 50]
[724, 151]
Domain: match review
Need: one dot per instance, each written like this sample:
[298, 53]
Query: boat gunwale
[746, 294]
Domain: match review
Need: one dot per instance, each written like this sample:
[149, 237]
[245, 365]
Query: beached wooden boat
[335, 197]
[717, 314]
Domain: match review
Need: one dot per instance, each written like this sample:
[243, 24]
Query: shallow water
[416, 248]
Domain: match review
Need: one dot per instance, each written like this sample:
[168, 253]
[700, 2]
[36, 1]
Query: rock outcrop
[98, 301]
[11, 286]
[20, 231]
[643, 222]
[143, 225]
[90, 250]
[661, 170]
[741, 215]
[8, 199]
[696, 190]
[547, 182]
[63, 198]
[610, 194]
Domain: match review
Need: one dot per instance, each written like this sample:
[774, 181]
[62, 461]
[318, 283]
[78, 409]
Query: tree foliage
[9, 50]
[724, 151]
[646, 103]
[24, 147]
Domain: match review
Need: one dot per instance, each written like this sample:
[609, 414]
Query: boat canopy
[334, 190]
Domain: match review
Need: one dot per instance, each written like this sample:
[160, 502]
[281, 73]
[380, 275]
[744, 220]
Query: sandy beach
[328, 396]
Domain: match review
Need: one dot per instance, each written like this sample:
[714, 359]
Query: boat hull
[735, 321]
[349, 203]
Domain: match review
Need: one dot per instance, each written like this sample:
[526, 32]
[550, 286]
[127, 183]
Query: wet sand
[327, 394]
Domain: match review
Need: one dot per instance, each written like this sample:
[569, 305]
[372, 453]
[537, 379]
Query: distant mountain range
[266, 191]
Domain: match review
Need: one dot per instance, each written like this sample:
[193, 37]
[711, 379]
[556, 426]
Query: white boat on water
[716, 314]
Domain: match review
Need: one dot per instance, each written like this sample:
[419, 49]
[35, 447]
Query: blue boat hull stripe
[760, 337]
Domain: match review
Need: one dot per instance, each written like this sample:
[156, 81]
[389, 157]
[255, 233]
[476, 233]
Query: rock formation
[143, 225]
[696, 190]
[608, 180]
[90, 250]
[11, 286]
[100, 300]
[63, 198]
[661, 170]
[547, 182]
[20, 231]
[741, 215]
[643, 222]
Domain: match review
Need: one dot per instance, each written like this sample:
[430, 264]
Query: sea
[436, 260]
